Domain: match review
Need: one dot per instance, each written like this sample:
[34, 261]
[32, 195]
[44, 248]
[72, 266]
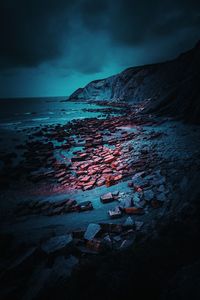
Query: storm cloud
[85, 36]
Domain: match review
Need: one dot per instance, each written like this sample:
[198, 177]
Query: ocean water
[31, 112]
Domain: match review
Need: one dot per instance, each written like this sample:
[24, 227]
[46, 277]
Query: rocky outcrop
[172, 86]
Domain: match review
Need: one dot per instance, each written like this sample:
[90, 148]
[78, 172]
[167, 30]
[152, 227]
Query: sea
[22, 116]
[22, 113]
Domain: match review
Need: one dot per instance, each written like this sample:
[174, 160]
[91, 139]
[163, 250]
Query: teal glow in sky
[52, 48]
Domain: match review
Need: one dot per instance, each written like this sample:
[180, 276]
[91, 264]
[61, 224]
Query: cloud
[35, 32]
[130, 22]
[32, 31]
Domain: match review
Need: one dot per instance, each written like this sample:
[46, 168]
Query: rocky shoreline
[152, 157]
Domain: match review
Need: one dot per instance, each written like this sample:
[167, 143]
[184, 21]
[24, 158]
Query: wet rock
[55, 211]
[134, 210]
[106, 198]
[115, 195]
[127, 202]
[89, 185]
[129, 222]
[85, 179]
[108, 242]
[111, 228]
[161, 188]
[95, 245]
[57, 243]
[62, 268]
[92, 231]
[84, 206]
[141, 204]
[117, 238]
[161, 197]
[139, 181]
[130, 184]
[115, 213]
[100, 182]
[126, 244]
[138, 224]
[109, 159]
[136, 198]
[148, 195]
[155, 203]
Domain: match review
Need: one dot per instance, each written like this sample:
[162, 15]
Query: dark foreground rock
[164, 265]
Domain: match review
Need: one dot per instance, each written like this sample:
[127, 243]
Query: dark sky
[50, 48]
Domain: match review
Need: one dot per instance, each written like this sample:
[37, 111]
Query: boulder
[148, 195]
[92, 231]
[129, 222]
[133, 210]
[161, 197]
[109, 159]
[115, 213]
[56, 243]
[106, 198]
[84, 206]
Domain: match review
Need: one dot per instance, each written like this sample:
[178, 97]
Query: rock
[70, 205]
[136, 198]
[158, 179]
[108, 242]
[95, 245]
[56, 243]
[136, 176]
[85, 179]
[55, 211]
[109, 159]
[127, 202]
[111, 228]
[84, 206]
[155, 203]
[161, 188]
[92, 231]
[126, 244]
[60, 203]
[129, 222]
[115, 195]
[117, 178]
[139, 181]
[89, 185]
[141, 204]
[139, 224]
[110, 180]
[62, 268]
[115, 213]
[100, 182]
[148, 195]
[134, 210]
[130, 184]
[117, 238]
[106, 198]
[161, 197]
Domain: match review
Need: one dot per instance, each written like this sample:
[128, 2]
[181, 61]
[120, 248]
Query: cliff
[172, 86]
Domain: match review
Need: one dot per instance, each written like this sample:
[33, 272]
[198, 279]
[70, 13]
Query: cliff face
[173, 86]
